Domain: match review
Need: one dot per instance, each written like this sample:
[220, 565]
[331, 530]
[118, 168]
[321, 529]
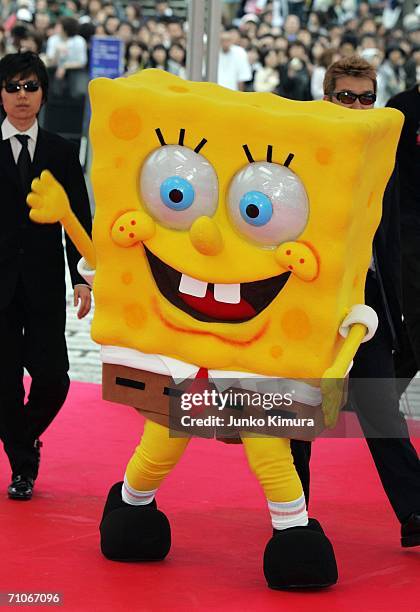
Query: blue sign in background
[106, 57]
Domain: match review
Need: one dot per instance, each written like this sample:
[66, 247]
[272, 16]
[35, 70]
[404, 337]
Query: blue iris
[256, 208]
[177, 193]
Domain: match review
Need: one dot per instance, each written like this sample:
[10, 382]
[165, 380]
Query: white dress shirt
[8, 132]
[72, 50]
[234, 68]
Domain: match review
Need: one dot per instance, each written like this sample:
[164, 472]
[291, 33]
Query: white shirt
[8, 131]
[234, 68]
[317, 82]
[266, 79]
[223, 379]
[71, 50]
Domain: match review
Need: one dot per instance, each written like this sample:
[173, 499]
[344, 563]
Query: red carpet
[219, 520]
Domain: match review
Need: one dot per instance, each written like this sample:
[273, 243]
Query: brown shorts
[155, 397]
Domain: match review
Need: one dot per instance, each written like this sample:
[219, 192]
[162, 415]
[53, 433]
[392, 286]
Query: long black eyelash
[180, 139]
[200, 145]
[245, 147]
[248, 153]
[269, 155]
[160, 136]
[289, 160]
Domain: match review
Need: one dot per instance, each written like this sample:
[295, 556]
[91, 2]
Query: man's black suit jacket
[29, 252]
[387, 257]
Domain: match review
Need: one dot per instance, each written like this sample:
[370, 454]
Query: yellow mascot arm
[49, 204]
[359, 326]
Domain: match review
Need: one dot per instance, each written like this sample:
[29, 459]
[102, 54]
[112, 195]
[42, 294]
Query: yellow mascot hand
[332, 389]
[49, 204]
[48, 200]
[359, 326]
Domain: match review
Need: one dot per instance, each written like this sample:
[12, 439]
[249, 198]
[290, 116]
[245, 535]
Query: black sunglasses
[15, 86]
[348, 97]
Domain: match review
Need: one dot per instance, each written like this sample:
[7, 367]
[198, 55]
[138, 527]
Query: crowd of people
[285, 47]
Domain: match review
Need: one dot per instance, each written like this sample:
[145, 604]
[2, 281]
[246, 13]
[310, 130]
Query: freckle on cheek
[135, 316]
[276, 351]
[296, 324]
[127, 278]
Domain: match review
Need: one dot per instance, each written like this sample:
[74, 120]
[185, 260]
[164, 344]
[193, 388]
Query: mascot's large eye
[268, 203]
[178, 185]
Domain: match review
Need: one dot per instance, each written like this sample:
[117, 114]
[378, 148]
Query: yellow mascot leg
[271, 461]
[155, 456]
[132, 527]
[298, 555]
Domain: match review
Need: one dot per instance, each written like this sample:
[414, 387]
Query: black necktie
[24, 163]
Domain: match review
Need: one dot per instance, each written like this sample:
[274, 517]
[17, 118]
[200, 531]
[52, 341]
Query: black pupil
[175, 195]
[252, 211]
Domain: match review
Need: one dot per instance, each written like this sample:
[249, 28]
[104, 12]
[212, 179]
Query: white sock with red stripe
[136, 498]
[288, 514]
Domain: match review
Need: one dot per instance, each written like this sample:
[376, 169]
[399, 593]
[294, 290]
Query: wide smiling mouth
[214, 303]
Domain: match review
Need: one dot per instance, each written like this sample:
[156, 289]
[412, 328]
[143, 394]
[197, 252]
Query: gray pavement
[85, 364]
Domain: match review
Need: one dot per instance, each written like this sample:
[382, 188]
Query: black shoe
[300, 558]
[133, 533]
[20, 488]
[410, 531]
[37, 446]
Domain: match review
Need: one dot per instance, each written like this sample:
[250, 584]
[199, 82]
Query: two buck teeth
[230, 294]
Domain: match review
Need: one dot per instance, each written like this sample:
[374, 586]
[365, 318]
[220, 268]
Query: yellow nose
[206, 237]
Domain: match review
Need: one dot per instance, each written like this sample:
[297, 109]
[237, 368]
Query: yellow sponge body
[342, 157]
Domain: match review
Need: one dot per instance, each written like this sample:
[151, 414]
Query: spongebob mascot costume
[233, 232]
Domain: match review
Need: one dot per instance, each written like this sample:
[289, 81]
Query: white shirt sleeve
[77, 52]
[52, 47]
[244, 71]
[317, 81]
[265, 80]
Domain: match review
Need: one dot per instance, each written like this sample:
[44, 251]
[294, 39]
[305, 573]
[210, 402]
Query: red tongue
[219, 310]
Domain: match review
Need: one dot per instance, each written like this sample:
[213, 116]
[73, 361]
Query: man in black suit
[407, 359]
[351, 82]
[32, 299]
